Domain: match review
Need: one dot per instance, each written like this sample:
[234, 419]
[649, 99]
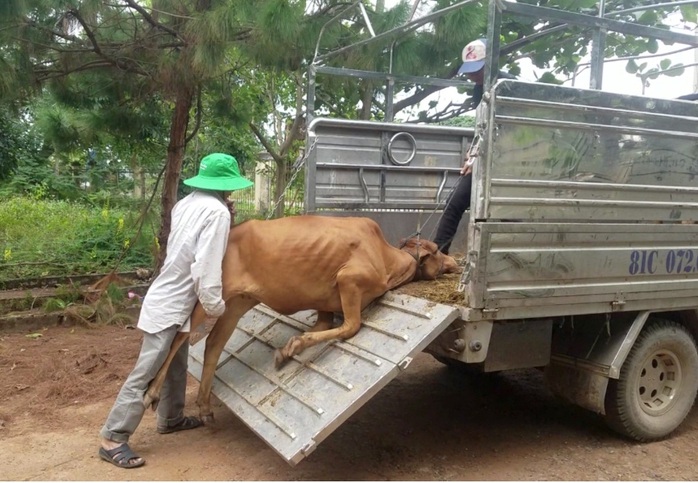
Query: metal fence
[259, 201]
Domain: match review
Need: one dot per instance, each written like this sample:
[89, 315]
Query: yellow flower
[127, 243]
[8, 254]
[105, 213]
[120, 225]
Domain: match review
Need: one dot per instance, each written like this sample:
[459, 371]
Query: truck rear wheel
[657, 384]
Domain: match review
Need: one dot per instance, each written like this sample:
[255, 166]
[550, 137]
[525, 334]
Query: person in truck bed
[474, 55]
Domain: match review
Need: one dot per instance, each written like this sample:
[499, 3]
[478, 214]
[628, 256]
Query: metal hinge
[404, 363]
[618, 303]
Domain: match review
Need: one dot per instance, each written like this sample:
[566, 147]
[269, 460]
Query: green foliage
[42, 237]
[664, 67]
[689, 13]
[37, 180]
[115, 293]
[549, 78]
[106, 78]
[460, 121]
[10, 144]
[68, 293]
[28, 302]
[54, 305]
[559, 53]
[110, 308]
[19, 142]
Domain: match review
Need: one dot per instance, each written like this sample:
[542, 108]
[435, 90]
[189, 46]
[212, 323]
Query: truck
[580, 251]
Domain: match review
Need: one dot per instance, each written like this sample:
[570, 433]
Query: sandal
[188, 422]
[121, 456]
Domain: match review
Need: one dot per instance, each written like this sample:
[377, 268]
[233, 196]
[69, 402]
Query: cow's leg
[221, 332]
[350, 293]
[152, 395]
[323, 322]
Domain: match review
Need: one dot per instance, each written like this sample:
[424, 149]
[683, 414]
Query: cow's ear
[429, 246]
[423, 253]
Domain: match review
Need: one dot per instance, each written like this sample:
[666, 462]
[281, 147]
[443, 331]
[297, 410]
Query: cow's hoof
[279, 359]
[150, 401]
[207, 419]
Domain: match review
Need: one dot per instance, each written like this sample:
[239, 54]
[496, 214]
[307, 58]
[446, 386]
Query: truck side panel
[584, 202]
[398, 174]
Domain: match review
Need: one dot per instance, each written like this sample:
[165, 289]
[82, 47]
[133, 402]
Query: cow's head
[430, 261]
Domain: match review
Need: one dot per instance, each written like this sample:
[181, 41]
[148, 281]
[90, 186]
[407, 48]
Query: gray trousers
[128, 408]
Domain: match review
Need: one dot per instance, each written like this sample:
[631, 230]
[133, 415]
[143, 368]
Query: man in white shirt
[192, 272]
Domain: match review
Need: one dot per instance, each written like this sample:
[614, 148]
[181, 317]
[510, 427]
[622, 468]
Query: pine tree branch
[243, 34]
[427, 91]
[265, 142]
[423, 94]
[90, 34]
[54, 48]
[171, 14]
[328, 103]
[445, 114]
[330, 9]
[72, 38]
[98, 50]
[46, 74]
[517, 44]
[152, 21]
[171, 45]
[292, 135]
[197, 124]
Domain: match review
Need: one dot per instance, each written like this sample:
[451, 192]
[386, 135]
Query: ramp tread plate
[294, 408]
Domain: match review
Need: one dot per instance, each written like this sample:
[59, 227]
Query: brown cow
[301, 263]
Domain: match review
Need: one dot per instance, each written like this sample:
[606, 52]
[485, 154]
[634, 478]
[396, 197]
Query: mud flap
[293, 409]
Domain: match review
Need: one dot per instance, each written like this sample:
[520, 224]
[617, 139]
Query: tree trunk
[281, 174]
[138, 177]
[366, 101]
[141, 182]
[173, 169]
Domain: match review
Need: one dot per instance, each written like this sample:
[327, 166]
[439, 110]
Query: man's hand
[231, 207]
[468, 165]
[471, 156]
[216, 311]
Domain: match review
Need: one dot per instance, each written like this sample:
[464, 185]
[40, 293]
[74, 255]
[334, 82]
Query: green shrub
[46, 237]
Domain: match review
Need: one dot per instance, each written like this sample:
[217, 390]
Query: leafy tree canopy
[158, 83]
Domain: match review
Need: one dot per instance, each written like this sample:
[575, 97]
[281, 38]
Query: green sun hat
[219, 172]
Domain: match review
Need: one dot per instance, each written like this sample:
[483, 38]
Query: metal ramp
[293, 409]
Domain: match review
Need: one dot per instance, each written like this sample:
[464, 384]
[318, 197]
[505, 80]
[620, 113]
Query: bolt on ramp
[296, 407]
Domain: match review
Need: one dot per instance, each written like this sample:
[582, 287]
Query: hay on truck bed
[443, 290]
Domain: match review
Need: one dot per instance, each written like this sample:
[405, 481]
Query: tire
[657, 384]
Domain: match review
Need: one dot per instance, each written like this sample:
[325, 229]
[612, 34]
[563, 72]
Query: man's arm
[207, 269]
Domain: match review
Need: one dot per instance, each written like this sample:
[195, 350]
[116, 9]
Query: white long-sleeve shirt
[193, 268]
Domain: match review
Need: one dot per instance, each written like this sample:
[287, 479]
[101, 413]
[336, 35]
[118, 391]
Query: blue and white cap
[474, 55]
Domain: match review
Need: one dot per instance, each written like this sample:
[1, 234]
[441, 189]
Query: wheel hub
[658, 382]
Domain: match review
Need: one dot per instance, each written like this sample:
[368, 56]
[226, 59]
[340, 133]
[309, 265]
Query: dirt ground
[430, 423]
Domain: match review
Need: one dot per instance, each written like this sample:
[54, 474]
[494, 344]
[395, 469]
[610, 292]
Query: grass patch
[39, 238]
